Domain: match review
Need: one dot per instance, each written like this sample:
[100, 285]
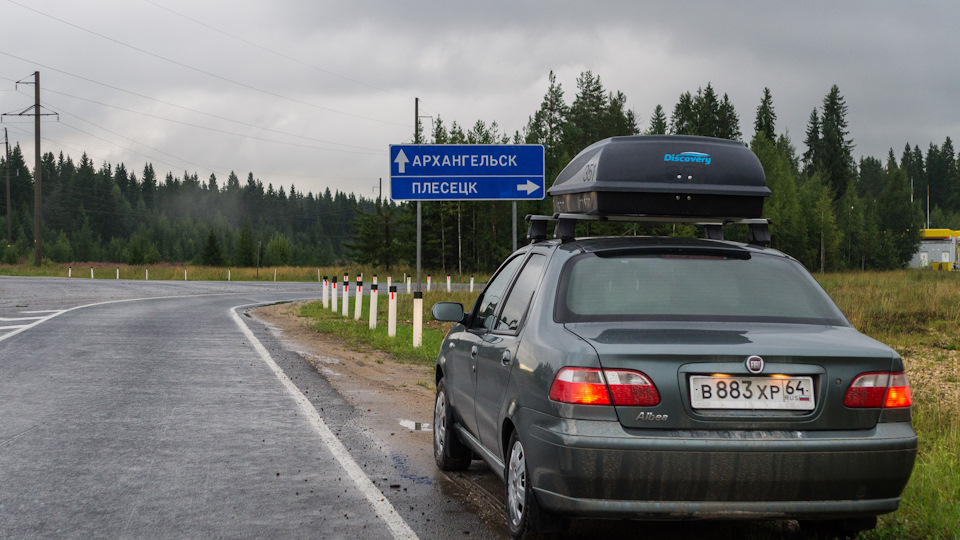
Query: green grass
[900, 308]
[401, 346]
[930, 505]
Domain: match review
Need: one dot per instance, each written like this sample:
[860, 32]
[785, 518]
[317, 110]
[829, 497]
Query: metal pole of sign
[419, 289]
[416, 140]
[514, 225]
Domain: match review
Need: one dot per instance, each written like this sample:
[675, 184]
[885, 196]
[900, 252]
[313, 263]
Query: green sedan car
[658, 378]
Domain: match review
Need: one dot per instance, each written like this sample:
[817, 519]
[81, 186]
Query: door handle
[505, 358]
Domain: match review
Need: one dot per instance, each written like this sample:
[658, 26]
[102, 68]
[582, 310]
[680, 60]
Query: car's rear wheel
[523, 512]
[449, 452]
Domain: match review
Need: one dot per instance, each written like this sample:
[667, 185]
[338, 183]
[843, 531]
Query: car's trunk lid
[690, 361]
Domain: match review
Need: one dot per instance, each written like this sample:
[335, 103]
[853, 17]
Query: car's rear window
[692, 286]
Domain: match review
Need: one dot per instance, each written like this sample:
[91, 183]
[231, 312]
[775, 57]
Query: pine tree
[684, 118]
[766, 118]
[836, 148]
[728, 122]
[658, 122]
[211, 255]
[246, 255]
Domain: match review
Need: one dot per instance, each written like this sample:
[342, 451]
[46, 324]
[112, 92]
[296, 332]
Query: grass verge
[401, 346]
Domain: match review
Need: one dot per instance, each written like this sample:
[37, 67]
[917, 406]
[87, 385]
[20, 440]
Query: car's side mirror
[448, 312]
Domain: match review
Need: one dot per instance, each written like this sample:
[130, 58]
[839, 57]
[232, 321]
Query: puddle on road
[416, 426]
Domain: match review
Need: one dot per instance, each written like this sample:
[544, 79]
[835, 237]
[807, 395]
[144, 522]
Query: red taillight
[875, 390]
[583, 386]
[580, 386]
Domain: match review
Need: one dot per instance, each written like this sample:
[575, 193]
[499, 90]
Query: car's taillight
[583, 386]
[875, 390]
[580, 386]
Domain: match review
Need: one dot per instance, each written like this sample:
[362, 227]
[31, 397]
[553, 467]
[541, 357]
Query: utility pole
[6, 168]
[37, 193]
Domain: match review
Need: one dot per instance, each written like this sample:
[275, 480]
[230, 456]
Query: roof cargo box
[663, 175]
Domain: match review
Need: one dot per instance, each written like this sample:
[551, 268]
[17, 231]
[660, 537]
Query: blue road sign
[455, 172]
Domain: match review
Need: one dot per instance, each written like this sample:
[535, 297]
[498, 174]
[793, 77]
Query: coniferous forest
[828, 210]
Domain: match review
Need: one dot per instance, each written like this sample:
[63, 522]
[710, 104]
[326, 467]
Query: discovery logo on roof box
[689, 157]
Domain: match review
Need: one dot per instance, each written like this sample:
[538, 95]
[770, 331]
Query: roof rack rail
[713, 227]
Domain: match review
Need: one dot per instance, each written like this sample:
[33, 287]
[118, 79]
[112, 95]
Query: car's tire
[449, 452]
[523, 511]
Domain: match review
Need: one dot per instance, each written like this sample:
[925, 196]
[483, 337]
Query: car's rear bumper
[598, 468]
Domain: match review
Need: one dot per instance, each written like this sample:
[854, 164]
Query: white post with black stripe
[333, 295]
[392, 312]
[358, 301]
[346, 295]
[373, 304]
[418, 317]
[326, 293]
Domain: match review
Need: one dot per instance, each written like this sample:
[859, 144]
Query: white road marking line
[381, 505]
[43, 311]
[19, 318]
[12, 327]
[36, 321]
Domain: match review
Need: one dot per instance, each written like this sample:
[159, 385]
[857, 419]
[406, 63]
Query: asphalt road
[156, 409]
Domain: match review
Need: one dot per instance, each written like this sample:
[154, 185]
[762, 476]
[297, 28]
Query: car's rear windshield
[683, 285]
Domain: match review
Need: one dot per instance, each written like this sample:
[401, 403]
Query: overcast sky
[312, 93]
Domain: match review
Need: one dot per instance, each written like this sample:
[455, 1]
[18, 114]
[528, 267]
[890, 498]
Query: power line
[207, 73]
[196, 111]
[244, 135]
[271, 51]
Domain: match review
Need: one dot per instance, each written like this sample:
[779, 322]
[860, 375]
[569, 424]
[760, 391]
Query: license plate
[751, 393]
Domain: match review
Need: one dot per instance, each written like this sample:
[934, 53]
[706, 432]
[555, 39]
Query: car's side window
[518, 301]
[493, 294]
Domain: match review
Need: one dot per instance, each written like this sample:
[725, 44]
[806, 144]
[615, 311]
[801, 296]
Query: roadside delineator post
[326, 293]
[147, 278]
[389, 282]
[373, 304]
[346, 296]
[69, 271]
[118, 273]
[228, 274]
[428, 282]
[333, 295]
[358, 301]
[448, 282]
[91, 272]
[418, 318]
[409, 279]
[392, 312]
[471, 283]
[184, 275]
[274, 274]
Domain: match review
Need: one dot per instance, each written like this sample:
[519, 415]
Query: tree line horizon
[827, 210]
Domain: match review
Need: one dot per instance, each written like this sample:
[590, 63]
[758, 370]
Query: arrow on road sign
[529, 187]
[402, 161]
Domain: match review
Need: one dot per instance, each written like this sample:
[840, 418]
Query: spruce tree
[766, 119]
[658, 122]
